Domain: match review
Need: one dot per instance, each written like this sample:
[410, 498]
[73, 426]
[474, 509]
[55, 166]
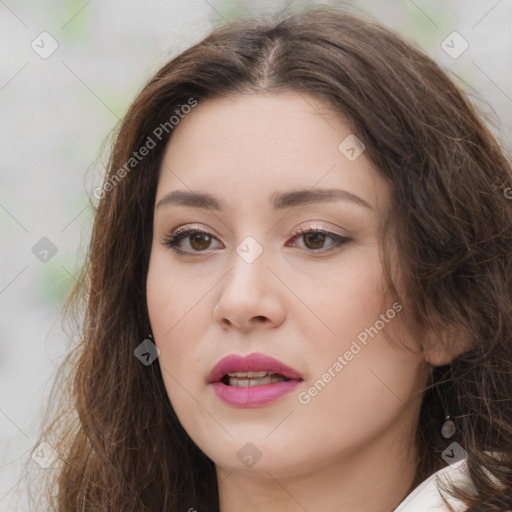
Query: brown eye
[314, 240]
[200, 241]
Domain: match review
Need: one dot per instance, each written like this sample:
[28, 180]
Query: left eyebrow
[279, 201]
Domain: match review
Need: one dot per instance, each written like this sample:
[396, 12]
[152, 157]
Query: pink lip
[253, 396]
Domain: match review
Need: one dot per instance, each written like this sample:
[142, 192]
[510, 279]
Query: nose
[251, 297]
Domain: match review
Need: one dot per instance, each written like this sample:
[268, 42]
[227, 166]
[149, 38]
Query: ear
[441, 347]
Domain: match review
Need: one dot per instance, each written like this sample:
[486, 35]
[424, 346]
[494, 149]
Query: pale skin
[301, 301]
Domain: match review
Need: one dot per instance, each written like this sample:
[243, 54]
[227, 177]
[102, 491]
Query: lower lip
[254, 396]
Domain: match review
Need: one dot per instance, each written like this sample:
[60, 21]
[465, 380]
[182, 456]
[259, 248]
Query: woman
[298, 292]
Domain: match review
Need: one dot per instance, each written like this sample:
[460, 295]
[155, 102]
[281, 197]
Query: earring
[448, 429]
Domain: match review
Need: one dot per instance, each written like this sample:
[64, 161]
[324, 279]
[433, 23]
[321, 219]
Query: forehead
[246, 146]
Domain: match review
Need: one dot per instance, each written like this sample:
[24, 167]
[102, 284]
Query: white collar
[427, 498]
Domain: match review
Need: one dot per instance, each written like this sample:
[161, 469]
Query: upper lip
[252, 363]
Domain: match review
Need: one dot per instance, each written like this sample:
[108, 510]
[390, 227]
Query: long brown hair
[120, 444]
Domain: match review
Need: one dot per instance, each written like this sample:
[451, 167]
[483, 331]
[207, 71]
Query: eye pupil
[317, 237]
[200, 241]
[201, 237]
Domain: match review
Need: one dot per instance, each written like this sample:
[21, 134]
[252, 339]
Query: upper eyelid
[298, 231]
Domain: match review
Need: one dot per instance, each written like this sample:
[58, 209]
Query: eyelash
[175, 238]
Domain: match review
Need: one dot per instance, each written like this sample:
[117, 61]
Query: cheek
[358, 314]
[174, 301]
[178, 310]
[376, 384]
[353, 299]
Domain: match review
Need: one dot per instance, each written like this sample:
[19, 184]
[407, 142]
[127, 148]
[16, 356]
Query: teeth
[248, 375]
[258, 381]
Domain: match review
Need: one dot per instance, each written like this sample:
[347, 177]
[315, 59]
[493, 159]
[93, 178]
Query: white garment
[427, 498]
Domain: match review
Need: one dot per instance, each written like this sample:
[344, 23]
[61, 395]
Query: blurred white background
[59, 105]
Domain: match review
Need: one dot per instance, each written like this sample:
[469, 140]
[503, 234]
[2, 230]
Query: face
[261, 271]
